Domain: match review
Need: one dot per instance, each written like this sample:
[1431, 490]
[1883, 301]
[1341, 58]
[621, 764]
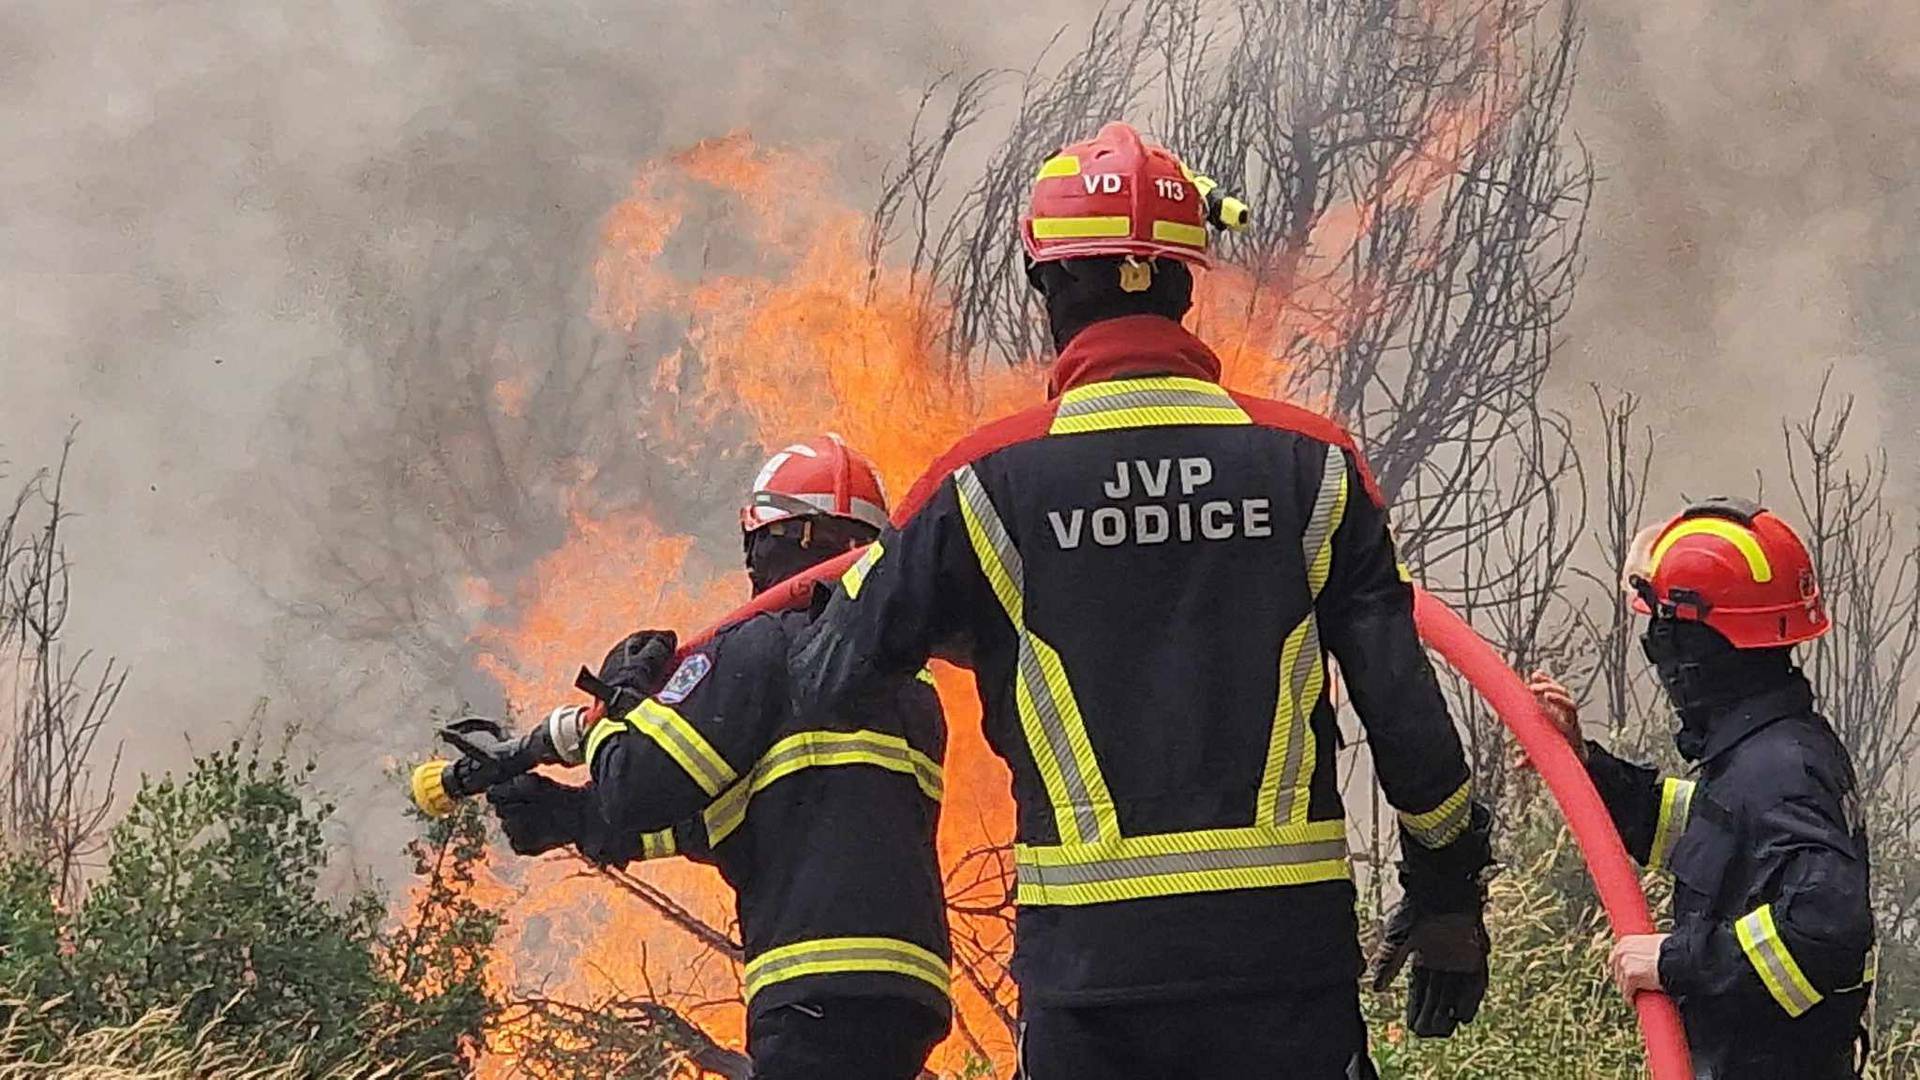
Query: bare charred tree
[1419, 216]
[1619, 674]
[56, 801]
[1869, 566]
[1419, 213]
[1868, 561]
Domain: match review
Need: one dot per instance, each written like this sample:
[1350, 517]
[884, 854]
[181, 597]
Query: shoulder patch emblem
[685, 678]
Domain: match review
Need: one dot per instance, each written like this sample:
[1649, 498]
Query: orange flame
[810, 338]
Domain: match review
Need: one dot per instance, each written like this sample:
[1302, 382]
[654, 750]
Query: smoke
[217, 216]
[1757, 222]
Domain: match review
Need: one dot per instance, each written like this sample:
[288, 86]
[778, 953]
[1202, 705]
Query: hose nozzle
[429, 788]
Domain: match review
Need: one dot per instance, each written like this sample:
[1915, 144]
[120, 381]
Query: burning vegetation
[528, 488]
[764, 308]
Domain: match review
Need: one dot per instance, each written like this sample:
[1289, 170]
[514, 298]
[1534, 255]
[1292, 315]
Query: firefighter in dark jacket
[1145, 574]
[1771, 954]
[825, 829]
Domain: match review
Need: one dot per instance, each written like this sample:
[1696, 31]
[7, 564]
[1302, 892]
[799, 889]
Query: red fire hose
[1613, 875]
[791, 593]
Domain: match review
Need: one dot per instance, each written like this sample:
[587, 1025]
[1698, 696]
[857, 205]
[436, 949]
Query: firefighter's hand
[640, 663]
[1449, 954]
[1557, 702]
[1635, 963]
[538, 814]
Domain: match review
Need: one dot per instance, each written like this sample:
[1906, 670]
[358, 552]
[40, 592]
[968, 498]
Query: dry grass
[151, 1049]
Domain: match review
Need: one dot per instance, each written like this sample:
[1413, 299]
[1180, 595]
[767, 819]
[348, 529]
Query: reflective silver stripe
[1676, 807]
[684, 744]
[1442, 825]
[1049, 709]
[1760, 940]
[1308, 666]
[1329, 508]
[1148, 398]
[970, 488]
[1056, 732]
[843, 955]
[1303, 662]
[822, 749]
[1181, 862]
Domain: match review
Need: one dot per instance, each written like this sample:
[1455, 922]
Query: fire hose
[488, 758]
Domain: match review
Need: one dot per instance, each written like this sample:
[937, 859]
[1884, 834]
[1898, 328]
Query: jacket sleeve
[890, 611]
[1366, 618]
[673, 755]
[1812, 933]
[1649, 810]
[604, 845]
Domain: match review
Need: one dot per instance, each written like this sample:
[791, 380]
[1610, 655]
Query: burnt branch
[57, 796]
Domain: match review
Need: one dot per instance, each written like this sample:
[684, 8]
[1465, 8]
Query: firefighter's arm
[1811, 938]
[604, 845]
[1366, 617]
[1649, 810]
[889, 612]
[668, 759]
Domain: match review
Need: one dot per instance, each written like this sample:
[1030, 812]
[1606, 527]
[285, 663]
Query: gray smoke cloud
[207, 210]
[210, 209]
[1757, 222]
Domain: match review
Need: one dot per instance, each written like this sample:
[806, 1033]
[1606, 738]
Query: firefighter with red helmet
[824, 827]
[1146, 573]
[1771, 954]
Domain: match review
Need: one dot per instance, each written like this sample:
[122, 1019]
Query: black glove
[1449, 953]
[538, 814]
[634, 670]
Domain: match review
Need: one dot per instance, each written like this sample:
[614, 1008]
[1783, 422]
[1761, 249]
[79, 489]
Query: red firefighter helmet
[1738, 568]
[1116, 194]
[819, 476]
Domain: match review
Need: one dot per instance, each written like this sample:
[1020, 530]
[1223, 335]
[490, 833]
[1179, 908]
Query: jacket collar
[1750, 715]
[1131, 345]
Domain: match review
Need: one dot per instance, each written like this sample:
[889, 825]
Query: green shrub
[210, 910]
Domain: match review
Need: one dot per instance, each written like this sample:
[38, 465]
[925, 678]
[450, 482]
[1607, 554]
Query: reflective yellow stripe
[856, 574]
[603, 729]
[1174, 864]
[658, 845]
[686, 746]
[1176, 232]
[1286, 782]
[1443, 824]
[833, 956]
[1056, 733]
[1676, 804]
[1137, 403]
[1063, 165]
[925, 675]
[816, 750]
[1869, 971]
[1732, 532]
[1081, 228]
[1329, 510]
[1760, 940]
[1005, 579]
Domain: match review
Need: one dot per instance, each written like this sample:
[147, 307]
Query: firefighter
[825, 830]
[1145, 574]
[1771, 953]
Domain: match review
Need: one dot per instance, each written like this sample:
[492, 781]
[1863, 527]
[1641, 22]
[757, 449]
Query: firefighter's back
[829, 844]
[1153, 671]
